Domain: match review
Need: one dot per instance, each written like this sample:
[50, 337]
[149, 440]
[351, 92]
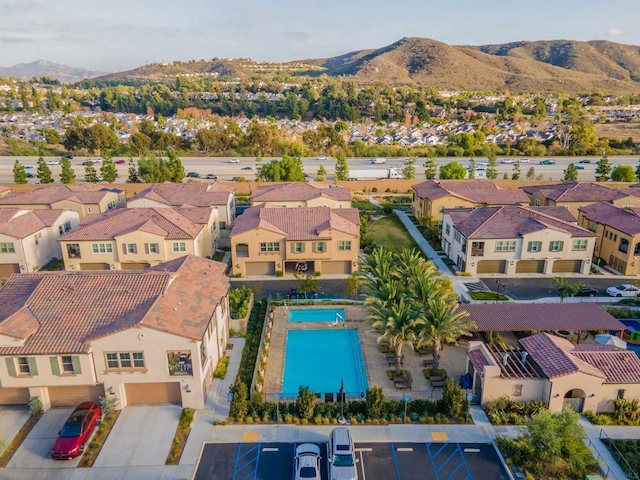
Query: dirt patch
[18, 439]
[92, 450]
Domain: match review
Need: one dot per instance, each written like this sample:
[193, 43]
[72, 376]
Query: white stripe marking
[404, 449]
[364, 449]
[472, 450]
[268, 449]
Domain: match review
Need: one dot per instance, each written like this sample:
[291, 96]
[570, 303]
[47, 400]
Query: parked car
[586, 160]
[211, 176]
[623, 290]
[234, 160]
[547, 162]
[30, 175]
[193, 175]
[307, 462]
[76, 431]
[342, 461]
[53, 162]
[120, 162]
[587, 291]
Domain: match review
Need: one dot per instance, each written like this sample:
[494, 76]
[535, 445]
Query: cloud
[19, 38]
[614, 32]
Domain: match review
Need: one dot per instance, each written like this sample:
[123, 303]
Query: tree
[492, 168]
[430, 168]
[90, 174]
[44, 172]
[409, 170]
[531, 173]
[289, 169]
[19, 173]
[623, 173]
[51, 136]
[108, 170]
[305, 403]
[603, 169]
[240, 402]
[565, 289]
[321, 173]
[152, 169]
[443, 322]
[141, 143]
[68, 175]
[177, 169]
[452, 171]
[342, 167]
[571, 173]
[133, 173]
[515, 174]
[99, 136]
[306, 284]
[353, 284]
[472, 168]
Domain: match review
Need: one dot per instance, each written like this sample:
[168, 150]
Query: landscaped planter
[240, 324]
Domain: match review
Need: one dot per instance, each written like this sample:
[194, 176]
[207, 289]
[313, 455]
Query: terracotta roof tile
[23, 223]
[56, 193]
[511, 222]
[626, 220]
[72, 308]
[299, 223]
[168, 222]
[477, 359]
[299, 191]
[577, 192]
[186, 194]
[476, 191]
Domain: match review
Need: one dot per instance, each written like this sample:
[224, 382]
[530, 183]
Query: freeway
[246, 167]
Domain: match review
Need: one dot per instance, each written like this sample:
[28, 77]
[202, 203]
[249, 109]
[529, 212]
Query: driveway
[142, 436]
[12, 418]
[36, 449]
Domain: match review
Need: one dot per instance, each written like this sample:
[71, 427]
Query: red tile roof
[312, 223]
[62, 312]
[512, 222]
[186, 194]
[170, 223]
[476, 191]
[577, 192]
[478, 360]
[83, 194]
[300, 191]
[24, 223]
[626, 220]
[540, 316]
[558, 357]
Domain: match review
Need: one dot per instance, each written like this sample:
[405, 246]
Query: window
[223, 225]
[556, 246]
[477, 249]
[592, 227]
[580, 244]
[101, 248]
[320, 247]
[64, 227]
[440, 208]
[636, 250]
[506, 246]
[67, 364]
[7, 247]
[154, 248]
[132, 248]
[447, 229]
[457, 236]
[23, 366]
[344, 245]
[534, 246]
[268, 247]
[125, 360]
[624, 245]
[297, 247]
[179, 247]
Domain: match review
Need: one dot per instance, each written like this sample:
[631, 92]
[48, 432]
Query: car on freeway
[547, 162]
[523, 160]
[307, 462]
[30, 175]
[87, 162]
[234, 160]
[120, 162]
[507, 160]
[322, 157]
[586, 160]
[68, 155]
[53, 162]
[96, 159]
[28, 167]
[247, 168]
[193, 175]
[587, 291]
[76, 431]
[483, 163]
[211, 176]
[579, 167]
[623, 290]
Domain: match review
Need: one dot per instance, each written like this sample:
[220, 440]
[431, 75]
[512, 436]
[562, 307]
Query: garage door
[336, 267]
[530, 266]
[134, 266]
[14, 396]
[8, 269]
[492, 266]
[567, 266]
[261, 268]
[153, 393]
[72, 396]
[95, 266]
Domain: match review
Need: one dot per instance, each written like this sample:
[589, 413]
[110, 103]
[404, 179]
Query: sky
[116, 35]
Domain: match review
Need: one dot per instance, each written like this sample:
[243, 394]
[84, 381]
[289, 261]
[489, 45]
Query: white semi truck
[375, 174]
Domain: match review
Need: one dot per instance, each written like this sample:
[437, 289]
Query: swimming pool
[317, 315]
[322, 359]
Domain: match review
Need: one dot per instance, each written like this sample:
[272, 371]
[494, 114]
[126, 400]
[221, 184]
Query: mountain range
[44, 68]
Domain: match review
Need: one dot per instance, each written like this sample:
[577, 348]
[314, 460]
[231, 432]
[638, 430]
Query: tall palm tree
[396, 323]
[377, 268]
[442, 323]
[385, 295]
[425, 282]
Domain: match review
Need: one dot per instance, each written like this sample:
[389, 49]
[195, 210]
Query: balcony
[179, 363]
[73, 250]
[477, 252]
[242, 250]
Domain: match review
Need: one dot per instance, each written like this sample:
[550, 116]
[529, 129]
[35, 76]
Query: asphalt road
[246, 167]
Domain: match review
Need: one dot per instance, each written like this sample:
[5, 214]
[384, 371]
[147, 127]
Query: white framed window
[125, 360]
[269, 247]
[154, 248]
[534, 246]
[23, 366]
[344, 245]
[102, 248]
[580, 244]
[132, 248]
[320, 247]
[297, 247]
[179, 247]
[67, 364]
[7, 247]
[556, 246]
[506, 246]
[456, 236]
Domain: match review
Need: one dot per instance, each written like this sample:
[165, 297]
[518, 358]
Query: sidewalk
[600, 451]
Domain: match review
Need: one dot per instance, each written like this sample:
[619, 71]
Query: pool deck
[453, 358]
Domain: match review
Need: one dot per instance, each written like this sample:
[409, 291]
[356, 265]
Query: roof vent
[505, 359]
[523, 358]
[175, 309]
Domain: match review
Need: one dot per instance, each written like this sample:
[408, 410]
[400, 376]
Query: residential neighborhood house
[268, 239]
[302, 194]
[515, 239]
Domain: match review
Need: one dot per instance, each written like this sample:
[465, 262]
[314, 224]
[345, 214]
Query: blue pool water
[321, 359]
[317, 315]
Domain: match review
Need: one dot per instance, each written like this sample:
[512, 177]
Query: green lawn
[389, 232]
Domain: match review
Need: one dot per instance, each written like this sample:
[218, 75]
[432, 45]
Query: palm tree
[396, 323]
[385, 295]
[425, 282]
[442, 323]
[377, 268]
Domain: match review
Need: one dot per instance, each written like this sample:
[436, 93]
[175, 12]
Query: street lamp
[342, 394]
[499, 285]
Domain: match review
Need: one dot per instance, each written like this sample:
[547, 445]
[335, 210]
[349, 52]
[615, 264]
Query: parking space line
[364, 449]
[269, 449]
[403, 449]
[395, 461]
[294, 460]
[364, 476]
[255, 450]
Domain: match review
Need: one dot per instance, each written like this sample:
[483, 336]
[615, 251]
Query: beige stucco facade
[432, 209]
[319, 201]
[110, 201]
[539, 200]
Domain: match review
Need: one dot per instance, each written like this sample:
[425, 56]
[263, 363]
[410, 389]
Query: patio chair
[439, 383]
[425, 352]
[427, 363]
[403, 383]
[393, 361]
[328, 397]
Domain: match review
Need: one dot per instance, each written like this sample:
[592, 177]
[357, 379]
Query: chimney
[505, 359]
[524, 358]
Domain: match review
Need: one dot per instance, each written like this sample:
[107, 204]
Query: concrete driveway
[12, 418]
[36, 448]
[142, 436]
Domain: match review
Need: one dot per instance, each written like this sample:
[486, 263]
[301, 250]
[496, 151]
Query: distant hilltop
[44, 68]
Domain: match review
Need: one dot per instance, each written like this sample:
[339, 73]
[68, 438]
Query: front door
[574, 399]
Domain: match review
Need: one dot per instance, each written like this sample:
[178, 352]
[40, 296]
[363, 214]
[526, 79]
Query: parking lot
[376, 461]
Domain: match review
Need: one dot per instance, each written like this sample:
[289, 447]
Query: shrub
[240, 402]
[454, 401]
[221, 368]
[239, 302]
[374, 402]
[35, 406]
[108, 405]
[252, 342]
[186, 418]
[279, 273]
[305, 402]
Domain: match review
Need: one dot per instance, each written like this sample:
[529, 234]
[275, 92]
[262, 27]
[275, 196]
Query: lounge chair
[402, 383]
[438, 383]
[425, 352]
[427, 363]
[392, 361]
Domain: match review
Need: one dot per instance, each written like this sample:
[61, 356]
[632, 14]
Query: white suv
[342, 461]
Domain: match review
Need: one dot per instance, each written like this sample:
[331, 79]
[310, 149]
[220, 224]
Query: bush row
[252, 342]
[503, 411]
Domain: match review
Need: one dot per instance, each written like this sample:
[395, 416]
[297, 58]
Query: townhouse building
[302, 194]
